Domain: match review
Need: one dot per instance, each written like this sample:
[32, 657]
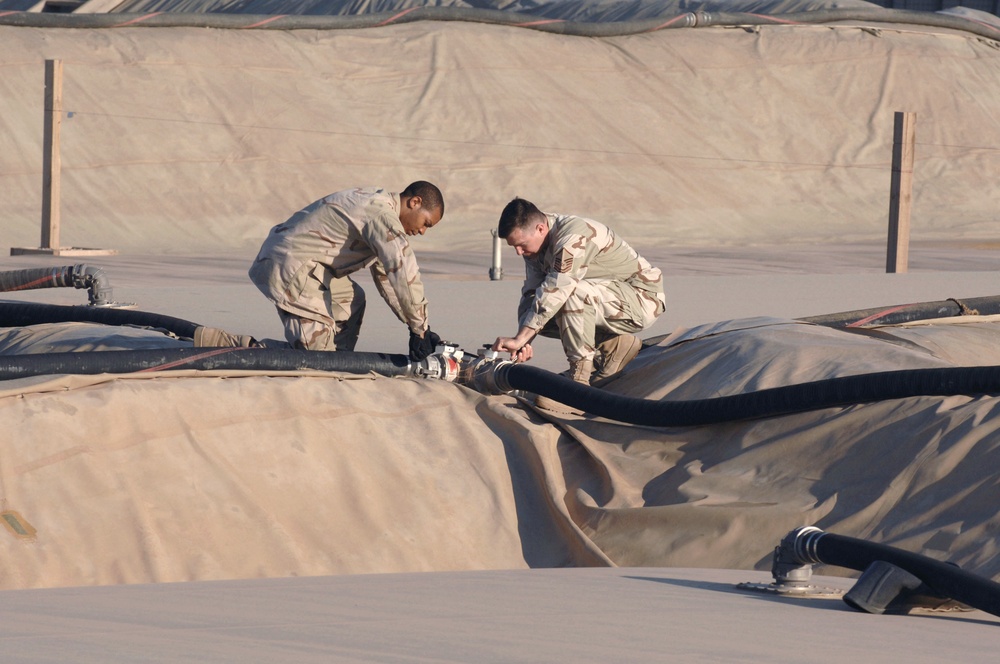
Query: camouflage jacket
[577, 249]
[338, 235]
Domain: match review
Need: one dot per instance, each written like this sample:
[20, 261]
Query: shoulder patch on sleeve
[564, 262]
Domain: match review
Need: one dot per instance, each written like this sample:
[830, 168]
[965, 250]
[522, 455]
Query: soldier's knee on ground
[213, 337]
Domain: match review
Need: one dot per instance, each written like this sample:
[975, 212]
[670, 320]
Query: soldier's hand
[504, 344]
[422, 346]
[523, 354]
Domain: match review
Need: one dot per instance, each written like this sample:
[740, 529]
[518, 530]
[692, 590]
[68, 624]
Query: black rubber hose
[828, 393]
[21, 314]
[32, 278]
[812, 545]
[202, 359]
[905, 313]
[77, 276]
[347, 21]
[513, 19]
[865, 14]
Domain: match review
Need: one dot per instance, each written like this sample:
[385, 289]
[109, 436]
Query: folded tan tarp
[128, 479]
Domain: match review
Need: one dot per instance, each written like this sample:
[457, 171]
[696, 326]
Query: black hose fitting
[77, 276]
[886, 588]
[805, 546]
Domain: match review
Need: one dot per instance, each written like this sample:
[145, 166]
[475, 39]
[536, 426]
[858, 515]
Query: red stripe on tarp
[774, 20]
[400, 14]
[531, 23]
[264, 22]
[188, 360]
[668, 23]
[136, 20]
[985, 25]
[878, 315]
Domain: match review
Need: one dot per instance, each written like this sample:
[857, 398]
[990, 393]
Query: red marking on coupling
[136, 20]
[878, 315]
[188, 360]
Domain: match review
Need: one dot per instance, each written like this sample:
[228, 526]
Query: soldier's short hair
[519, 213]
[430, 195]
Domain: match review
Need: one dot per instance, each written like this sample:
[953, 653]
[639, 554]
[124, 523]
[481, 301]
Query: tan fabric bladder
[203, 476]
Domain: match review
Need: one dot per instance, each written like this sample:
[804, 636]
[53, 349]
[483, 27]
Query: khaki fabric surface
[189, 476]
[189, 139]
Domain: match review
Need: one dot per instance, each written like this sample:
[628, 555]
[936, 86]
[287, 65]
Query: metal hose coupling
[804, 542]
[794, 556]
[95, 281]
[485, 374]
[444, 364]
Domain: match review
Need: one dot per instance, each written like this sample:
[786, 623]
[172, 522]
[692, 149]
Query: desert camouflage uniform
[588, 285]
[303, 265]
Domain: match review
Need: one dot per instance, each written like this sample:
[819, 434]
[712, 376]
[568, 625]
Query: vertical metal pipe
[496, 272]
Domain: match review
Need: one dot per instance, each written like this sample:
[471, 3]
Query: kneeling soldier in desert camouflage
[304, 264]
[583, 285]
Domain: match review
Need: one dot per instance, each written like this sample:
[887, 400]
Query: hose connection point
[792, 572]
[484, 374]
[445, 364]
[803, 542]
[95, 280]
[791, 567]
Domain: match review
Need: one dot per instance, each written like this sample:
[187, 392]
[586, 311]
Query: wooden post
[51, 178]
[897, 253]
[51, 163]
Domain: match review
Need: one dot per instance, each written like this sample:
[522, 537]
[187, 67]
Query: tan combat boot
[616, 353]
[579, 370]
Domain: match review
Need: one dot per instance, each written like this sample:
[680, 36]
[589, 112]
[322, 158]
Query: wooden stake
[51, 163]
[51, 173]
[897, 254]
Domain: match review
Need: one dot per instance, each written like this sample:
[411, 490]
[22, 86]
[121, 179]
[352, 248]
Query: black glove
[421, 347]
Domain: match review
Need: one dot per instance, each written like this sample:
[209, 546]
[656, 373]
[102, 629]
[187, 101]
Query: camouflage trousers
[326, 316]
[596, 312]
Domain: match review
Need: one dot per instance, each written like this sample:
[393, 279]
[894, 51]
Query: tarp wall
[193, 138]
